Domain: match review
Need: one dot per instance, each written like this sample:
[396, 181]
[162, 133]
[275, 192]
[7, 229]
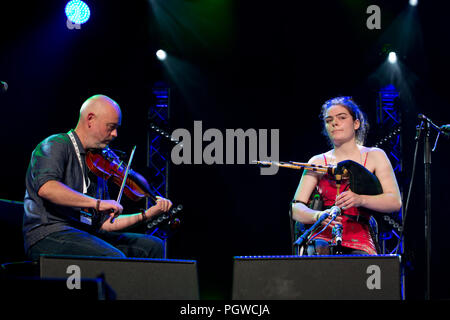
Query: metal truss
[157, 155]
[389, 120]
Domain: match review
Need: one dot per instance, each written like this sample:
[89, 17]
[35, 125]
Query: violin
[108, 166]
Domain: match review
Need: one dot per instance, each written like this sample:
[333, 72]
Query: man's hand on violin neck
[162, 205]
[110, 205]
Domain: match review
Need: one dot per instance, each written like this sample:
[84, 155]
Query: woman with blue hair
[346, 126]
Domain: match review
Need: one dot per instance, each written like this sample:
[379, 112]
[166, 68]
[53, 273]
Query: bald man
[59, 184]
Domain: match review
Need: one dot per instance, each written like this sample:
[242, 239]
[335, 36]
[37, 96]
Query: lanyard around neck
[77, 150]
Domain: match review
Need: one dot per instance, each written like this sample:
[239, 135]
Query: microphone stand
[299, 242]
[337, 232]
[427, 172]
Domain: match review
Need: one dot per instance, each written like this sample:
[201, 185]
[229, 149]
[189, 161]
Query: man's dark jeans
[103, 244]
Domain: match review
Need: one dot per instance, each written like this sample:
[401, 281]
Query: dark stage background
[232, 64]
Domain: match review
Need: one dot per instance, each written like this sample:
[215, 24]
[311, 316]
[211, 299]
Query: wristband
[143, 215]
[317, 215]
[97, 206]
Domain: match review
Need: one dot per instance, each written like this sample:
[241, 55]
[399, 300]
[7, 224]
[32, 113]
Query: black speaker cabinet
[317, 277]
[129, 278]
[16, 288]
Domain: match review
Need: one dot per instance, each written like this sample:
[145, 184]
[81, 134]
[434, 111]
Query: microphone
[334, 212]
[444, 128]
[3, 86]
[337, 232]
[337, 229]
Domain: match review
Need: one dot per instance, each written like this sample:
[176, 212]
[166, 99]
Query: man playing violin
[64, 213]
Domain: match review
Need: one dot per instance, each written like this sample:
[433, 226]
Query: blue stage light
[77, 11]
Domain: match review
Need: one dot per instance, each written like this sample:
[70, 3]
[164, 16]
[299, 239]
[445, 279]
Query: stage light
[77, 11]
[413, 2]
[161, 54]
[392, 57]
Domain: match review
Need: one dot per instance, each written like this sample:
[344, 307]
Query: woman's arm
[389, 200]
[300, 211]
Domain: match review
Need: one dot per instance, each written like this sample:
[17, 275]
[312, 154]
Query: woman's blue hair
[354, 110]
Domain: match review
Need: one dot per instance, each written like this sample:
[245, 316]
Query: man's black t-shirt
[55, 158]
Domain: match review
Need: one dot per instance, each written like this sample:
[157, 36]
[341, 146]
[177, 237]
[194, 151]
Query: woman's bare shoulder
[319, 159]
[375, 152]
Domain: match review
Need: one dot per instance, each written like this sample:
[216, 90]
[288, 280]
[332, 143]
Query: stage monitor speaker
[130, 278]
[16, 288]
[317, 278]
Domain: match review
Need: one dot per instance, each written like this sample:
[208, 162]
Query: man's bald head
[99, 105]
[100, 116]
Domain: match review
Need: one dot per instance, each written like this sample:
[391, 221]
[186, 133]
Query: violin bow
[124, 182]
